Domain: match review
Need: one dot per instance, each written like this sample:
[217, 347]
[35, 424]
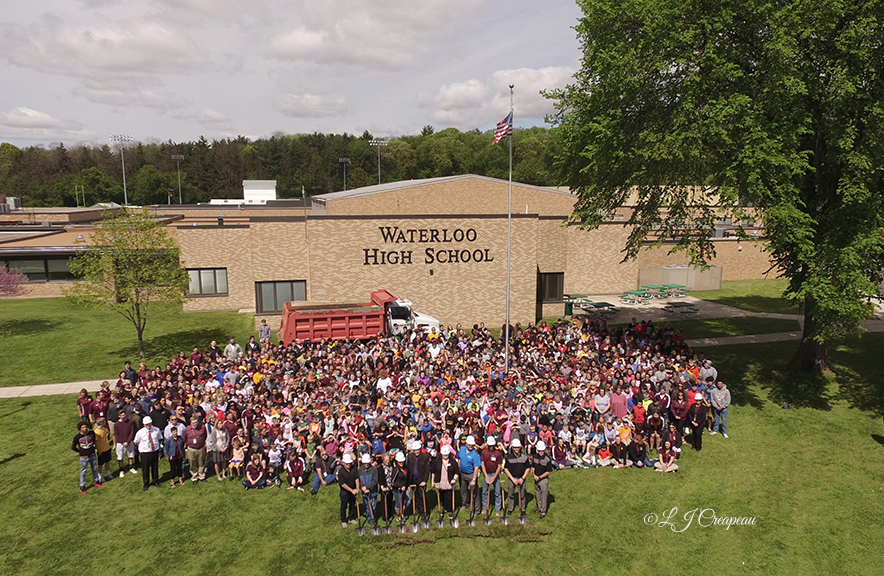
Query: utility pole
[344, 161]
[178, 158]
[121, 138]
[378, 144]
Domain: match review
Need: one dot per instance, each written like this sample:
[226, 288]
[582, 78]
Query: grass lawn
[754, 296]
[68, 345]
[811, 476]
[716, 327]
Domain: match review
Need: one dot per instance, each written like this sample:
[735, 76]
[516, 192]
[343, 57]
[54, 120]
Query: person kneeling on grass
[619, 454]
[638, 453]
[667, 459]
[296, 470]
[255, 478]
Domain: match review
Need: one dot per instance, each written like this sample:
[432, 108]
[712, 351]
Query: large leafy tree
[754, 109]
[132, 262]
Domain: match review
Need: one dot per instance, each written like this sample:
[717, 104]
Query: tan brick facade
[392, 239]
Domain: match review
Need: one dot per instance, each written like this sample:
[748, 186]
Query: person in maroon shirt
[83, 404]
[98, 409]
[124, 434]
[492, 459]
[195, 437]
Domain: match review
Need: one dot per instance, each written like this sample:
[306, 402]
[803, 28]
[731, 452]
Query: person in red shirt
[84, 402]
[492, 459]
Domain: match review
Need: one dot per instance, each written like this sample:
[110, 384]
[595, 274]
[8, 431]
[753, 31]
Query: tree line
[85, 175]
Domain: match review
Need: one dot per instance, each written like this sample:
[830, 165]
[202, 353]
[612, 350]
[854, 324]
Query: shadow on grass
[799, 391]
[170, 344]
[9, 459]
[878, 438]
[761, 304]
[24, 405]
[858, 371]
[25, 327]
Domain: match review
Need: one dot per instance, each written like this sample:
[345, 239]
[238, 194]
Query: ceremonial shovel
[455, 523]
[360, 528]
[415, 526]
[472, 520]
[440, 523]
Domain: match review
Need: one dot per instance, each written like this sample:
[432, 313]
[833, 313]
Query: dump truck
[385, 314]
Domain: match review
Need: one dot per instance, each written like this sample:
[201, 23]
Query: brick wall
[470, 195]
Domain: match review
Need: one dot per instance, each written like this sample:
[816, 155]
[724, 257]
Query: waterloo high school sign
[431, 254]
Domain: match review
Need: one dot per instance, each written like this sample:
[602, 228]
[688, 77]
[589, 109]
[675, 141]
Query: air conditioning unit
[13, 203]
[4, 208]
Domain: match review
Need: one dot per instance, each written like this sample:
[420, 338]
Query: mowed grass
[754, 296]
[737, 326]
[811, 476]
[49, 340]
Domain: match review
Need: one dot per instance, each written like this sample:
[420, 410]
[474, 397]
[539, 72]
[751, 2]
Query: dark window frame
[69, 277]
[216, 294]
[543, 287]
[259, 298]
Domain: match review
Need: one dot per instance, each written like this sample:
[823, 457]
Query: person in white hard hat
[148, 441]
[516, 470]
[470, 466]
[444, 478]
[399, 483]
[542, 467]
[368, 485]
[348, 479]
[492, 462]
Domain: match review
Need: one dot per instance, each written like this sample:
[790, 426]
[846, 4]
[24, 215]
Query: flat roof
[405, 184]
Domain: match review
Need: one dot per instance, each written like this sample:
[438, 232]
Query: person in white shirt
[148, 441]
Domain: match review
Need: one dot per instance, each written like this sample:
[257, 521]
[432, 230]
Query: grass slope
[810, 475]
[69, 345]
[754, 296]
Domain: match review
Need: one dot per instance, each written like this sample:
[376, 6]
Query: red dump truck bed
[335, 321]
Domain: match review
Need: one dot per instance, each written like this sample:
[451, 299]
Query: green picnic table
[674, 286]
[571, 300]
[653, 287]
[636, 292]
[679, 305]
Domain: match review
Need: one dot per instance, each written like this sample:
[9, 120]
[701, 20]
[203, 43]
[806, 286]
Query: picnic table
[676, 289]
[571, 300]
[657, 291]
[635, 296]
[682, 309]
[604, 309]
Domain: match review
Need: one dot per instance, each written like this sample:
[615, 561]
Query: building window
[270, 297]
[41, 269]
[208, 282]
[550, 287]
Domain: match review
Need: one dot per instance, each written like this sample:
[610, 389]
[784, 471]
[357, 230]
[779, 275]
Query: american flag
[504, 128]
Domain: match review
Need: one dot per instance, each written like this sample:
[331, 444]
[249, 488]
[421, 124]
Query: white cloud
[28, 124]
[120, 95]
[115, 48]
[475, 103]
[382, 34]
[312, 105]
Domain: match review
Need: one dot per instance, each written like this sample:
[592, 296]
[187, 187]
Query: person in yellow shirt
[103, 449]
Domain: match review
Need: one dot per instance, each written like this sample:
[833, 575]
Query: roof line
[406, 184]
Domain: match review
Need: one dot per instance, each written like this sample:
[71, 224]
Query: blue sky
[79, 70]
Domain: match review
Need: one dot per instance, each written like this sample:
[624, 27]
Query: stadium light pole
[344, 161]
[378, 144]
[121, 139]
[178, 158]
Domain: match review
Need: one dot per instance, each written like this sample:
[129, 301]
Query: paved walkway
[49, 389]
[651, 311]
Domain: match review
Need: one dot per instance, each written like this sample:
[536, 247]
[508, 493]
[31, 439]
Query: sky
[80, 70]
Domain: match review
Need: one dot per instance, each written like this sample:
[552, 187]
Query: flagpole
[509, 243]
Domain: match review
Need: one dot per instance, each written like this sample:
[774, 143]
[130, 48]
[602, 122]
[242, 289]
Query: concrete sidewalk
[50, 389]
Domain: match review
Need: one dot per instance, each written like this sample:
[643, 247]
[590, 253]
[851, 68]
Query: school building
[440, 242]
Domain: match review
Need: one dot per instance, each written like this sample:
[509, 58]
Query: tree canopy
[132, 262]
[726, 110]
[57, 176]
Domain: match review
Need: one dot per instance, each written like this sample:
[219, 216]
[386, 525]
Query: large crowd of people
[407, 424]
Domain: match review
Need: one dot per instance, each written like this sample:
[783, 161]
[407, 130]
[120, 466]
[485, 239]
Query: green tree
[132, 262]
[151, 186]
[703, 108]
